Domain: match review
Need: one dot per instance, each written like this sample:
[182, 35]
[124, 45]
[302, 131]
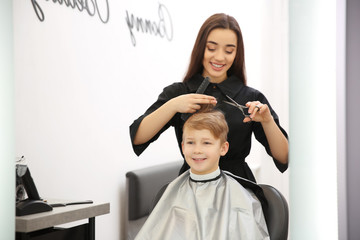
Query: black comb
[201, 89]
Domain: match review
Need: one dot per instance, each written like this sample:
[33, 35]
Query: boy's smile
[202, 151]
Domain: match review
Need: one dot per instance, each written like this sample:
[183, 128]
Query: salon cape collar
[230, 86]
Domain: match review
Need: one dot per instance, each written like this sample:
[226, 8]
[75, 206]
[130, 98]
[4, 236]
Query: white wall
[7, 160]
[313, 118]
[80, 83]
[341, 126]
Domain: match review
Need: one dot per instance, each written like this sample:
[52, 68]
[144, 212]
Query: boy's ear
[224, 148]
[182, 146]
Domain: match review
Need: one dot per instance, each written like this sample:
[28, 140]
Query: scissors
[235, 104]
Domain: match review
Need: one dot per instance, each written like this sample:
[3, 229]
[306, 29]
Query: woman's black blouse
[240, 133]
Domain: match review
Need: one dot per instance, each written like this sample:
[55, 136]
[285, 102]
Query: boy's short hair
[211, 119]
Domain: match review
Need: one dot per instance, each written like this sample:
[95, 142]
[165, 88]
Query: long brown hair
[219, 20]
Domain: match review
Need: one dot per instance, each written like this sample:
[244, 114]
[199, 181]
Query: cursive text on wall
[161, 27]
[91, 7]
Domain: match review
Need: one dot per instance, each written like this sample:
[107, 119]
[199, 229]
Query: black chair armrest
[144, 184]
[277, 213]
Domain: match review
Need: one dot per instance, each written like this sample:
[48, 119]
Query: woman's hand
[190, 103]
[258, 112]
[279, 145]
[152, 123]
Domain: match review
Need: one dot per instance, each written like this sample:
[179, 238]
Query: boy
[204, 202]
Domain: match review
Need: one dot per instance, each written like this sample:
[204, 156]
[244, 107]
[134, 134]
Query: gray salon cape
[205, 207]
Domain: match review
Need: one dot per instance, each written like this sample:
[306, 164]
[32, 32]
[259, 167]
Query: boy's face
[202, 150]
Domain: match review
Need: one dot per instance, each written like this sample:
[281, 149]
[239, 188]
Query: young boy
[204, 202]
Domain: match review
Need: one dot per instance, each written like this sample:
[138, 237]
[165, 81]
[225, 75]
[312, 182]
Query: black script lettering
[79, 4]
[165, 23]
[39, 12]
[91, 7]
[68, 3]
[106, 13]
[162, 28]
[91, 13]
[130, 24]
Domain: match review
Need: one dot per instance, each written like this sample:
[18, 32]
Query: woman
[218, 54]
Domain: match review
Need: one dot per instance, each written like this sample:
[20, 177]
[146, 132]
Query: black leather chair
[142, 186]
[277, 214]
[146, 186]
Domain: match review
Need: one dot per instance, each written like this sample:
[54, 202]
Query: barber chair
[142, 186]
[146, 186]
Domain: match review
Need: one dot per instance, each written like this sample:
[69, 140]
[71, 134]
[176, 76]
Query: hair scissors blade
[235, 104]
[231, 103]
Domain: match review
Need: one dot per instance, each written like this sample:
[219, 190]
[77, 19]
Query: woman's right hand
[190, 103]
[152, 123]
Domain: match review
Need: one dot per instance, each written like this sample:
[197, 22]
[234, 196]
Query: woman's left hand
[258, 112]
